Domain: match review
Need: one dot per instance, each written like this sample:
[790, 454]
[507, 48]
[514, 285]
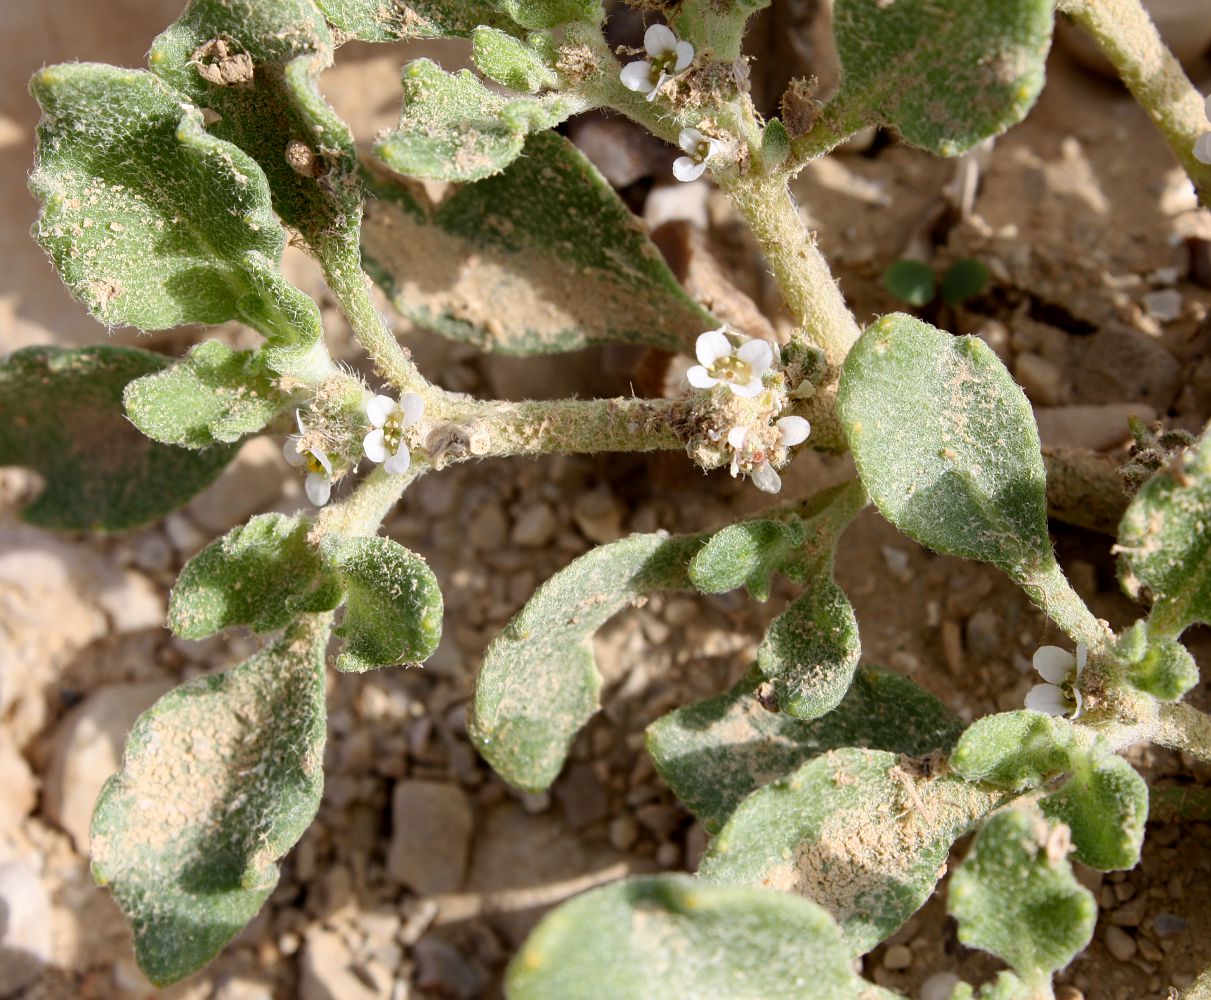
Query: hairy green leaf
[715, 27]
[261, 574]
[549, 222]
[1160, 666]
[1015, 896]
[61, 415]
[946, 445]
[864, 833]
[963, 280]
[911, 281]
[775, 144]
[453, 128]
[534, 14]
[1014, 750]
[945, 73]
[510, 61]
[220, 778]
[256, 65]
[747, 555]
[670, 937]
[394, 20]
[1105, 803]
[715, 752]
[212, 395]
[393, 612]
[539, 682]
[1164, 542]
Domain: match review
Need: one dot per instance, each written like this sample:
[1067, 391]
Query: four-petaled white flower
[318, 484]
[698, 149]
[791, 431]
[389, 418]
[667, 58]
[1202, 145]
[740, 369]
[1062, 671]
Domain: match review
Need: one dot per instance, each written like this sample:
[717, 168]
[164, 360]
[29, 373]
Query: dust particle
[219, 63]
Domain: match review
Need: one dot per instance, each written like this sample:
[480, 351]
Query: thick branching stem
[803, 275]
[1153, 75]
[1184, 727]
[1051, 591]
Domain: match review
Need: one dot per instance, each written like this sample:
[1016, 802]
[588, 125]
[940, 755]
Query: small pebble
[1068, 993]
[897, 957]
[1120, 944]
[1168, 924]
[939, 986]
[623, 833]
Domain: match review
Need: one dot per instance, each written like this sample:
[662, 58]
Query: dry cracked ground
[423, 871]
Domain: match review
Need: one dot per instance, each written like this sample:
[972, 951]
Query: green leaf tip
[220, 778]
[1015, 895]
[668, 937]
[510, 61]
[61, 415]
[1014, 750]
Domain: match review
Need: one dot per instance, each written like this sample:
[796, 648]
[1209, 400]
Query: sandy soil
[423, 872]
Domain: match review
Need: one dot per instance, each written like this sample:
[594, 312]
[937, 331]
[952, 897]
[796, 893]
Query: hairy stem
[1184, 727]
[363, 510]
[1052, 592]
[1153, 75]
[836, 123]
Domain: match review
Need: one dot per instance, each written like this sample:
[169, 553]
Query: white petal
[413, 407]
[1207, 106]
[714, 146]
[379, 409]
[700, 378]
[686, 168]
[636, 75]
[793, 431]
[1082, 657]
[374, 446]
[318, 488]
[1053, 663]
[690, 139]
[656, 87]
[1202, 148]
[323, 460]
[1080, 703]
[685, 56]
[1046, 698]
[736, 436]
[747, 390]
[298, 419]
[398, 463]
[711, 346]
[766, 479]
[290, 451]
[759, 354]
[659, 39]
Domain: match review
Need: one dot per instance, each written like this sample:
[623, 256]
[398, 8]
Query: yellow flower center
[732, 369]
[315, 465]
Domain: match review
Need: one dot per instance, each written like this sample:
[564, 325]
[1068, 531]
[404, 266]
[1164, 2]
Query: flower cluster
[1202, 145]
[791, 431]
[667, 56]
[741, 368]
[1062, 671]
[388, 419]
[698, 149]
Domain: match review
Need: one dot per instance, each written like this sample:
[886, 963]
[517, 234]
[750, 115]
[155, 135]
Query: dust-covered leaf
[670, 937]
[510, 61]
[1161, 666]
[393, 612]
[747, 555]
[220, 778]
[945, 73]
[715, 752]
[212, 395]
[396, 20]
[61, 415]
[539, 682]
[255, 64]
[1015, 896]
[452, 128]
[946, 444]
[1164, 542]
[864, 833]
[261, 574]
[548, 223]
[1014, 750]
[536, 14]
[1105, 804]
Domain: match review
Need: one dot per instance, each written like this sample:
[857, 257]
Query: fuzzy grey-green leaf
[945, 73]
[1014, 750]
[550, 13]
[746, 554]
[670, 937]
[213, 395]
[1015, 896]
[394, 20]
[715, 752]
[61, 415]
[864, 833]
[393, 612]
[1164, 542]
[548, 222]
[220, 778]
[1105, 804]
[510, 61]
[946, 445]
[539, 683]
[261, 574]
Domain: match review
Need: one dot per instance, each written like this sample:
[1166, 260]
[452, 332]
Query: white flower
[698, 148]
[1202, 145]
[1062, 671]
[318, 484]
[791, 431]
[389, 418]
[668, 57]
[741, 369]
